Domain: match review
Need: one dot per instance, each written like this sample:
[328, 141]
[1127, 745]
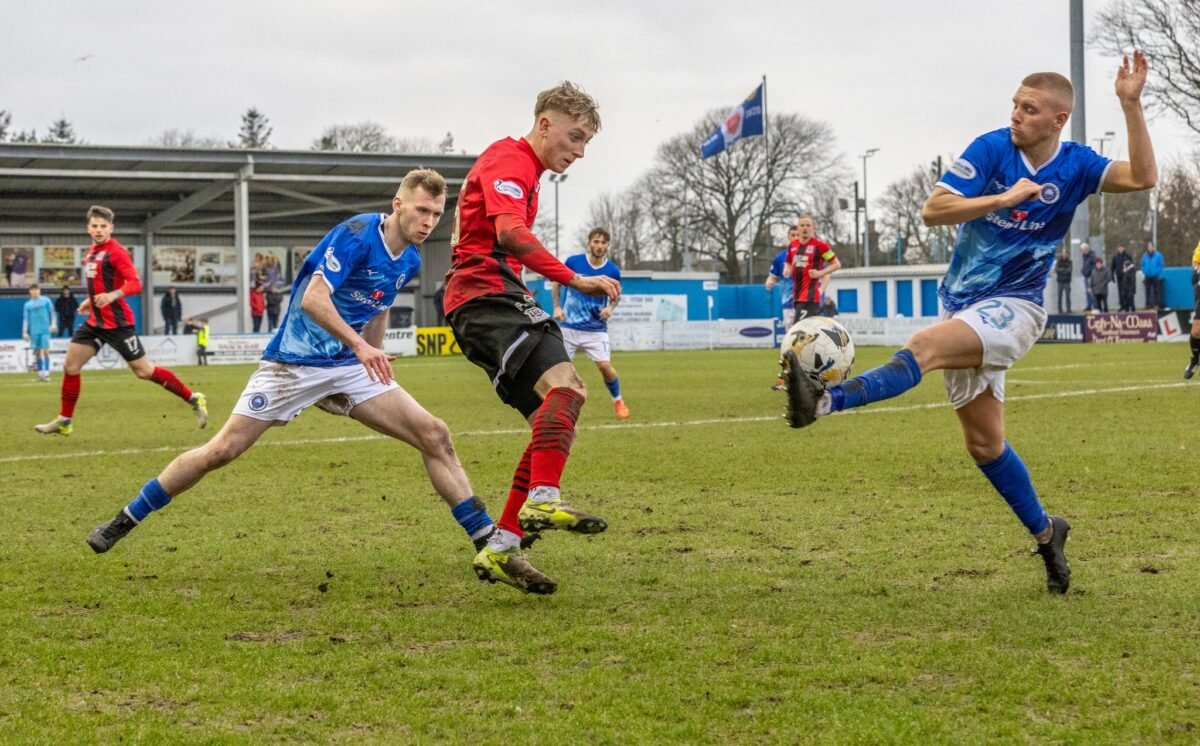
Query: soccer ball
[823, 347]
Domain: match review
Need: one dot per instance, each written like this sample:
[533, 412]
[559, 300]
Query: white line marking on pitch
[610, 426]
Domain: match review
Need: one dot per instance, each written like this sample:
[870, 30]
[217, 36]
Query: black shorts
[512, 338]
[123, 339]
[804, 309]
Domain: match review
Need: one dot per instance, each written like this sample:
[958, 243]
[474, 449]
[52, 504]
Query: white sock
[503, 540]
[824, 404]
[544, 494]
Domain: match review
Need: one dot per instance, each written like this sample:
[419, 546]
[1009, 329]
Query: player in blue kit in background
[328, 352]
[37, 327]
[1014, 192]
[584, 318]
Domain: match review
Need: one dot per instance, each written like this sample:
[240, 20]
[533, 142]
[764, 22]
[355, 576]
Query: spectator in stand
[1152, 270]
[1100, 279]
[172, 311]
[1062, 277]
[258, 306]
[274, 298]
[190, 325]
[65, 306]
[439, 302]
[828, 307]
[1087, 265]
[1124, 274]
[272, 274]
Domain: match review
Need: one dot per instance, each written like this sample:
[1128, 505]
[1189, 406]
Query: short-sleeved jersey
[363, 276]
[1008, 252]
[108, 267]
[39, 315]
[504, 181]
[785, 283]
[583, 311]
[804, 258]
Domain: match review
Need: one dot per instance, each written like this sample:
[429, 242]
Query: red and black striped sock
[553, 434]
[70, 394]
[516, 496]
[168, 381]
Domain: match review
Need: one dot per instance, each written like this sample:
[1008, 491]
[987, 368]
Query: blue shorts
[40, 340]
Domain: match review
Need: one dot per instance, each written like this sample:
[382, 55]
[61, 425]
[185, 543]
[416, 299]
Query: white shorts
[1008, 328]
[595, 344]
[277, 391]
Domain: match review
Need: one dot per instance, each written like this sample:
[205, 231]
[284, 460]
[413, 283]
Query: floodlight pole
[866, 210]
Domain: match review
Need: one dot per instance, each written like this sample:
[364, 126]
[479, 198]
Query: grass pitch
[854, 582]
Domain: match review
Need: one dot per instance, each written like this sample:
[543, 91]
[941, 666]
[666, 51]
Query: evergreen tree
[256, 130]
[62, 132]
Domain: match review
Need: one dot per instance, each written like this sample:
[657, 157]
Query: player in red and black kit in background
[809, 263]
[500, 327]
[111, 277]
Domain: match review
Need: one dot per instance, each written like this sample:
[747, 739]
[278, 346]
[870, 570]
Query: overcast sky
[915, 79]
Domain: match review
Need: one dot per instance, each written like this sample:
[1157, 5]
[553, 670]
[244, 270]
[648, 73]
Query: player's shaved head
[568, 98]
[425, 178]
[1059, 88]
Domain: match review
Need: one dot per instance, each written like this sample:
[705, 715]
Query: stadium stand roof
[245, 196]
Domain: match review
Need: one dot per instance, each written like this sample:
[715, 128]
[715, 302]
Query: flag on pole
[743, 120]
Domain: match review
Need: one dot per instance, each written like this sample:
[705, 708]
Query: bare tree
[1178, 211]
[1168, 31]
[624, 216]
[726, 205]
[175, 138]
[5, 123]
[370, 137]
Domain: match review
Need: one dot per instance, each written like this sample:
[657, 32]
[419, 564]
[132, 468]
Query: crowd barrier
[225, 349]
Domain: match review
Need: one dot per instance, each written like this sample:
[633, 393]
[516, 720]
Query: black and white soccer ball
[823, 347]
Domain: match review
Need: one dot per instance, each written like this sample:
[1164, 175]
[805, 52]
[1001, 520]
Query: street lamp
[556, 179]
[866, 210]
[1108, 137]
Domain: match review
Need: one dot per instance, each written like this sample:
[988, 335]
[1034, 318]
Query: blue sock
[151, 498]
[472, 515]
[614, 387]
[893, 378]
[1011, 479]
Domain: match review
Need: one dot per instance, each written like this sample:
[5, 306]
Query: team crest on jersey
[509, 188]
[1050, 193]
[963, 169]
[331, 261]
[258, 401]
[400, 280]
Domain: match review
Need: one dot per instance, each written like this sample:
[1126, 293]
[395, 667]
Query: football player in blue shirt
[327, 352]
[37, 327]
[776, 277]
[1013, 193]
[584, 318]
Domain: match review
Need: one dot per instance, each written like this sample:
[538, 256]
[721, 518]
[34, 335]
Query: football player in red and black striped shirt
[503, 330]
[809, 262]
[111, 277]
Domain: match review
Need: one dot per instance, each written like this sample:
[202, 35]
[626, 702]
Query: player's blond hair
[425, 178]
[568, 98]
[1055, 84]
[100, 211]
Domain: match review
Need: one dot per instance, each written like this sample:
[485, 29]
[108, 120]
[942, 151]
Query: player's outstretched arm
[1140, 171]
[318, 304]
[944, 207]
[516, 238]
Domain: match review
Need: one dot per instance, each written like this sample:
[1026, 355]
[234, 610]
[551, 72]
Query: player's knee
[921, 345]
[435, 438]
[982, 448]
[218, 453]
[144, 373]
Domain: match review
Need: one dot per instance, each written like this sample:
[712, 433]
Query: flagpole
[765, 218]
